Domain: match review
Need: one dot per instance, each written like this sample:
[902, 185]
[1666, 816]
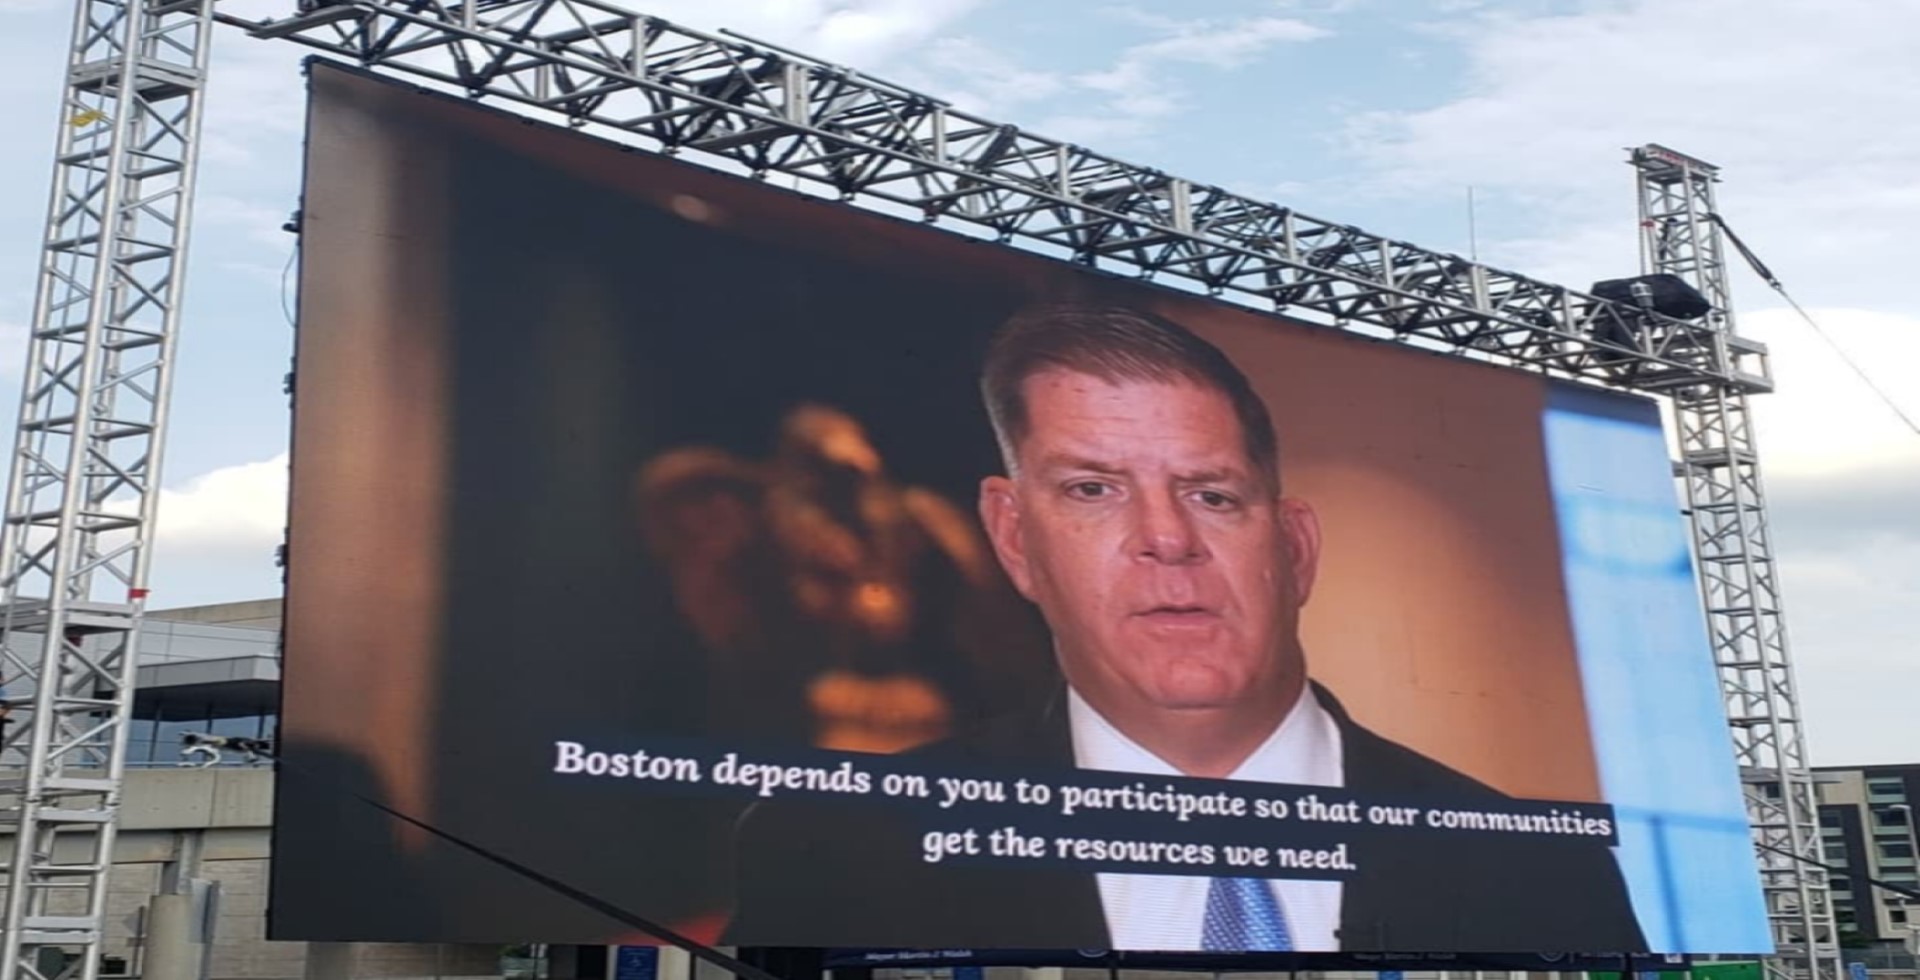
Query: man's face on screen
[1169, 571]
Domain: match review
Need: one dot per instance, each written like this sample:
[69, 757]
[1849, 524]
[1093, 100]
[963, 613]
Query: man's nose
[1164, 531]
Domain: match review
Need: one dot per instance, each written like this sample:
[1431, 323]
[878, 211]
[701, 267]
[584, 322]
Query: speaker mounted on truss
[1662, 292]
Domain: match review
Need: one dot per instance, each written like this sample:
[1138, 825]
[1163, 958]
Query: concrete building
[1867, 827]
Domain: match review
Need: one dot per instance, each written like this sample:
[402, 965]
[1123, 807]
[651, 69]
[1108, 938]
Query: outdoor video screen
[793, 575]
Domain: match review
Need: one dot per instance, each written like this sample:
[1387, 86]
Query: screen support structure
[767, 111]
[1719, 475]
[84, 480]
[83, 484]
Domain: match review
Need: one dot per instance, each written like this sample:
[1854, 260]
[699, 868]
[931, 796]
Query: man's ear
[1300, 529]
[1000, 512]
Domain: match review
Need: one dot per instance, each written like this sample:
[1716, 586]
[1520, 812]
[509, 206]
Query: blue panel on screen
[1660, 734]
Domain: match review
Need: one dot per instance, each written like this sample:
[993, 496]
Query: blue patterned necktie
[1242, 915]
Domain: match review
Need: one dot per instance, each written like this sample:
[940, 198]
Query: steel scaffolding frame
[86, 460]
[641, 80]
[84, 479]
[1719, 474]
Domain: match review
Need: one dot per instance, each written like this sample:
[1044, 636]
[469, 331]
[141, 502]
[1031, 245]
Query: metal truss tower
[1719, 473]
[84, 480]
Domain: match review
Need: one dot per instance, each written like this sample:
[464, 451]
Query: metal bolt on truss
[86, 461]
[1719, 473]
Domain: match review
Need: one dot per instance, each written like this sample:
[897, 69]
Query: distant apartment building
[1867, 827]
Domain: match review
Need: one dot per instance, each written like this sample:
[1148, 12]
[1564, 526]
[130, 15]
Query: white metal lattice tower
[1719, 473]
[84, 480]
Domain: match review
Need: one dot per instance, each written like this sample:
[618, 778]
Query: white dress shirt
[1165, 912]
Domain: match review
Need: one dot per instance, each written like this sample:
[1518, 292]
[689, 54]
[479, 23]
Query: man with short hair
[1141, 511]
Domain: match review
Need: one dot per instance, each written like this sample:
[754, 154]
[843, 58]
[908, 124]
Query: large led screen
[794, 575]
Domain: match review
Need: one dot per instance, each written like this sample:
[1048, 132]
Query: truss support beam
[85, 468]
[644, 81]
[1719, 475]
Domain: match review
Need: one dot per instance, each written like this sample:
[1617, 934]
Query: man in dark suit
[1142, 512]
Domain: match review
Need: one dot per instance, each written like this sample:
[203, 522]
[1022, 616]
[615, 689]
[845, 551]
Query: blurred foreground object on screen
[836, 603]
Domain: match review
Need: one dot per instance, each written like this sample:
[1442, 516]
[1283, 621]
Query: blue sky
[1369, 112]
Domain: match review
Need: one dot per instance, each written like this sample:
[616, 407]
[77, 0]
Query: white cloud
[1842, 474]
[1138, 91]
[1800, 105]
[1797, 103]
[1850, 621]
[1822, 420]
[858, 33]
[874, 30]
[1736, 79]
[240, 509]
[1226, 45]
[979, 78]
[1128, 98]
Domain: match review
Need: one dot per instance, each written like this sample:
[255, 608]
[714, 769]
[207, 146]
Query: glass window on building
[140, 741]
[1891, 789]
[1829, 818]
[1897, 848]
[244, 726]
[169, 739]
[174, 719]
[159, 741]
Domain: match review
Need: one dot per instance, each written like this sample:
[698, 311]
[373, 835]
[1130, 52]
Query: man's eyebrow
[1064, 461]
[1058, 462]
[1221, 474]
